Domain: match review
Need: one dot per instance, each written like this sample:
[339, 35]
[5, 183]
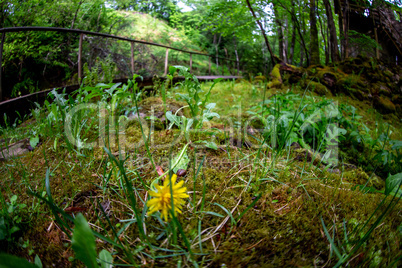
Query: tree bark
[314, 48]
[333, 40]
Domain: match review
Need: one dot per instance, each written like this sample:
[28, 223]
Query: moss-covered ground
[249, 206]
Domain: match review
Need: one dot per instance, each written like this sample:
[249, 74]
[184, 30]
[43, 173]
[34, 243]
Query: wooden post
[209, 68]
[132, 57]
[80, 59]
[3, 35]
[166, 62]
[191, 62]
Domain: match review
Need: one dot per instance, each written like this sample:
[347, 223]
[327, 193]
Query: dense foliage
[224, 28]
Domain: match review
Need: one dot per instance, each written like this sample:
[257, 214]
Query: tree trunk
[346, 28]
[314, 48]
[262, 31]
[302, 51]
[325, 42]
[279, 24]
[237, 55]
[217, 49]
[292, 45]
[286, 43]
[333, 40]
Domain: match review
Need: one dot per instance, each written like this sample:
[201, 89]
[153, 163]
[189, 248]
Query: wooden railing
[3, 32]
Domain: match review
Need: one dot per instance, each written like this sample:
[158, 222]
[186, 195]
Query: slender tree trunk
[333, 40]
[217, 49]
[227, 62]
[300, 29]
[340, 24]
[286, 42]
[75, 15]
[314, 48]
[237, 55]
[292, 44]
[303, 30]
[346, 28]
[279, 25]
[263, 32]
[325, 42]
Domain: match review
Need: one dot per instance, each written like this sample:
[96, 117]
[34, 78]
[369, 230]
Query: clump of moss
[384, 105]
[276, 81]
[360, 177]
[318, 88]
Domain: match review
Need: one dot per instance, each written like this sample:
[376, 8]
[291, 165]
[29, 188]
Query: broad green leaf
[182, 162]
[106, 259]
[33, 141]
[391, 182]
[38, 262]
[10, 261]
[83, 242]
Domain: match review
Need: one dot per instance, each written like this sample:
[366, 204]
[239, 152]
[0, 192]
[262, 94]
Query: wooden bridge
[23, 104]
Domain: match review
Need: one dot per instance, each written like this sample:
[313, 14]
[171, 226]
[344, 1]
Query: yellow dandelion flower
[161, 200]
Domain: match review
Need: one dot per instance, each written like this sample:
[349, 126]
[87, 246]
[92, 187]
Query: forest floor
[276, 176]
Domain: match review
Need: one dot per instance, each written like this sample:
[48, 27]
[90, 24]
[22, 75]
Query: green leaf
[10, 261]
[172, 70]
[38, 262]
[391, 182]
[14, 229]
[181, 163]
[106, 259]
[396, 144]
[13, 199]
[83, 242]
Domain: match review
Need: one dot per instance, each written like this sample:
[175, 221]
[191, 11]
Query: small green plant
[200, 110]
[10, 218]
[102, 71]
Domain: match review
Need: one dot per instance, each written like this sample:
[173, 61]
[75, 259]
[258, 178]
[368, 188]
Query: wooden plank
[80, 59]
[132, 57]
[1, 66]
[166, 62]
[191, 62]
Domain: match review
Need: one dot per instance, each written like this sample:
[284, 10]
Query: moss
[360, 177]
[259, 78]
[397, 99]
[384, 105]
[319, 88]
[276, 81]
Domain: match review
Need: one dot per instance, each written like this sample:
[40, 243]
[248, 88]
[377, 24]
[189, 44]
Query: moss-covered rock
[384, 105]
[318, 88]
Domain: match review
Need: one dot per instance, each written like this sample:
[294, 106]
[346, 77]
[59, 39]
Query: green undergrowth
[265, 186]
